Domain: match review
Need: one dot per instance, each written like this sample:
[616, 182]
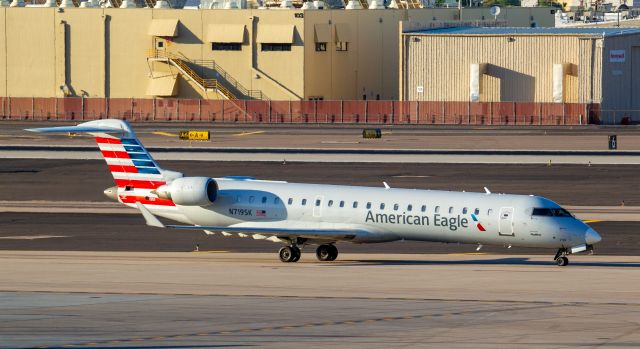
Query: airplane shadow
[496, 261]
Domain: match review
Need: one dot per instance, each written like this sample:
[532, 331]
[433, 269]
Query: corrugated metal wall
[519, 68]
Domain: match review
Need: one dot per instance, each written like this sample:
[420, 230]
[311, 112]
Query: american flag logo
[261, 213]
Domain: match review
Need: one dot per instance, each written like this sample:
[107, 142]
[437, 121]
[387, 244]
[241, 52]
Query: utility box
[613, 142]
[372, 133]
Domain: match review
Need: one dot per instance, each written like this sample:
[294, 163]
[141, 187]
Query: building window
[342, 46]
[226, 46]
[159, 44]
[321, 46]
[275, 47]
[316, 98]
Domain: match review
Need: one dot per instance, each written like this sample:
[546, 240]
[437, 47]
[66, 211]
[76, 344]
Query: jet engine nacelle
[190, 191]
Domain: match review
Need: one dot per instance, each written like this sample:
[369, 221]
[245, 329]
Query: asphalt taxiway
[185, 300]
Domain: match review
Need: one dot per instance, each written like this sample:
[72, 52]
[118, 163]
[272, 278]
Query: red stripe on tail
[123, 168]
[102, 140]
[140, 184]
[115, 154]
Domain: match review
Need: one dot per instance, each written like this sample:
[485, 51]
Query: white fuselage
[391, 214]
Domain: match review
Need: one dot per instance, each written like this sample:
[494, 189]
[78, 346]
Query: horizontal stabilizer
[76, 129]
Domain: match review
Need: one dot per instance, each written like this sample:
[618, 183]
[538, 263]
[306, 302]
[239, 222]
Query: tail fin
[134, 170]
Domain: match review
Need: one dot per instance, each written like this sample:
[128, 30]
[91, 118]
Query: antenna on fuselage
[386, 186]
[486, 190]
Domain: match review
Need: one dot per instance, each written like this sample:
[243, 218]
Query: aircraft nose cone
[591, 236]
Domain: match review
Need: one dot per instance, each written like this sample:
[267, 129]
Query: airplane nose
[591, 236]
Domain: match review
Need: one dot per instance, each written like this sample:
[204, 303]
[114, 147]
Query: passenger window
[341, 203]
[304, 202]
[464, 210]
[252, 199]
[276, 201]
[238, 198]
[489, 212]
[396, 207]
[264, 199]
[409, 208]
[437, 209]
[330, 203]
[477, 212]
[368, 205]
[450, 209]
[382, 206]
[355, 204]
[318, 202]
[290, 201]
[424, 208]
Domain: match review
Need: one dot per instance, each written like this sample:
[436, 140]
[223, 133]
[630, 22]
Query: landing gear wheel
[562, 261]
[288, 254]
[327, 253]
[334, 252]
[297, 253]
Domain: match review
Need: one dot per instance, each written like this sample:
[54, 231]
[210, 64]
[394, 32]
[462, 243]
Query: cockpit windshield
[551, 212]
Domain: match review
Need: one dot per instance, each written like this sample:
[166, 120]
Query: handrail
[200, 81]
[232, 82]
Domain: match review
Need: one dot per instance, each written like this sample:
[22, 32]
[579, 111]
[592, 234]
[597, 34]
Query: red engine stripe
[103, 140]
[123, 168]
[146, 200]
[138, 183]
[115, 154]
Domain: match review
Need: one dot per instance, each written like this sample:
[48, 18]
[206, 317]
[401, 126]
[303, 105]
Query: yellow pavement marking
[160, 133]
[248, 133]
[592, 221]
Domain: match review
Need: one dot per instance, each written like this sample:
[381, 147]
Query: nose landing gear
[561, 257]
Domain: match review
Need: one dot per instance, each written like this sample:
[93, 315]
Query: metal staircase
[409, 4]
[186, 71]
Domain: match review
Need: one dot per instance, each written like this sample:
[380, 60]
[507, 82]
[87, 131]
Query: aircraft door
[506, 221]
[317, 206]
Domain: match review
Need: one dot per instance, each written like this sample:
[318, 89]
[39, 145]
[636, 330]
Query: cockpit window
[551, 212]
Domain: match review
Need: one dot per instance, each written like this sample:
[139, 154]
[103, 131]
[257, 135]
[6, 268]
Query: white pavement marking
[349, 157]
[32, 237]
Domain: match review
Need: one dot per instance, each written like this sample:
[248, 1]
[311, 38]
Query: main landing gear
[561, 257]
[289, 254]
[325, 253]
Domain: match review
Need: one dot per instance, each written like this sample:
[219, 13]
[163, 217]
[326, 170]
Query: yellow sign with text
[194, 135]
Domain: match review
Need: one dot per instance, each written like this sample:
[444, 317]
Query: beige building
[243, 53]
[573, 65]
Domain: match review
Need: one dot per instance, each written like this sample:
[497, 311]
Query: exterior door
[506, 221]
[317, 206]
[635, 82]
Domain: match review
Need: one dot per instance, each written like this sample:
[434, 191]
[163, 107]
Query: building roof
[483, 31]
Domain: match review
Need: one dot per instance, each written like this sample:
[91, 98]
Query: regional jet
[298, 215]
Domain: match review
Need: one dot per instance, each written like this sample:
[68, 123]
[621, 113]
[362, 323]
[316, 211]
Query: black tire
[286, 254]
[334, 252]
[297, 254]
[324, 253]
[562, 261]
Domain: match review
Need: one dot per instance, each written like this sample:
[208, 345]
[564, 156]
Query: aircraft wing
[261, 230]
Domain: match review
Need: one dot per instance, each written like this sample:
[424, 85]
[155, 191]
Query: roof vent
[50, 3]
[353, 5]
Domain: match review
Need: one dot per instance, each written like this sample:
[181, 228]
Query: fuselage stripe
[138, 184]
[145, 200]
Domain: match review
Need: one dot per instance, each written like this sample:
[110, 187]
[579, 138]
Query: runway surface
[350, 136]
[178, 300]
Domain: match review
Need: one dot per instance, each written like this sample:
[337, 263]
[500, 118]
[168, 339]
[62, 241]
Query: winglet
[149, 217]
[486, 190]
